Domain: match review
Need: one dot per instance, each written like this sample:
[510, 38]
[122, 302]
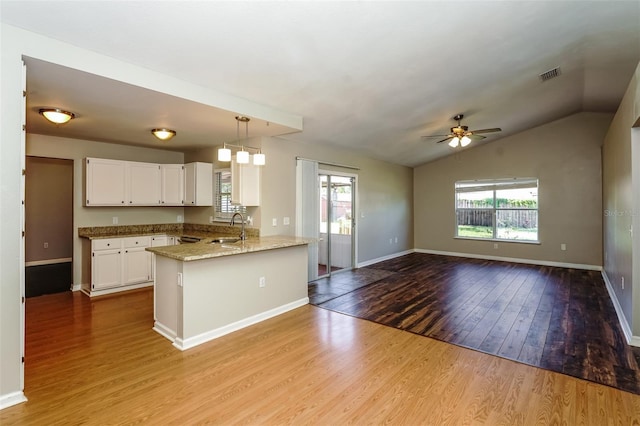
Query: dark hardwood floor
[558, 319]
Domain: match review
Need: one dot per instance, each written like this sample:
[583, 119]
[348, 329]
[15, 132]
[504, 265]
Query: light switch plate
[285, 220]
[274, 221]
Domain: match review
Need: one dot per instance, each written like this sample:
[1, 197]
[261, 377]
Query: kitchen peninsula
[207, 289]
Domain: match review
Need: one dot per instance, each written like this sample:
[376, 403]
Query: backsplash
[165, 228]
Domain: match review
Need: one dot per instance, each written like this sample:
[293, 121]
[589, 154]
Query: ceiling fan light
[454, 142]
[259, 159]
[163, 134]
[56, 115]
[466, 140]
[243, 157]
[224, 154]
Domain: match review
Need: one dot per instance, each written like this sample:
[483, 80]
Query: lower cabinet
[119, 264]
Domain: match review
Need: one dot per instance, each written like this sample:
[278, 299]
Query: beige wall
[77, 150]
[618, 203]
[384, 200]
[564, 155]
[48, 209]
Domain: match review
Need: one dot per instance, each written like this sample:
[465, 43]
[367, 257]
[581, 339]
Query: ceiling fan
[461, 135]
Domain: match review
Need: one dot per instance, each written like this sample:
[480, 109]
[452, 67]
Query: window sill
[497, 240]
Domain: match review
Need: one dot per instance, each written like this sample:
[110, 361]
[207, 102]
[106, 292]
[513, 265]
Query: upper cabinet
[198, 184]
[143, 183]
[172, 186]
[245, 183]
[129, 183]
[105, 182]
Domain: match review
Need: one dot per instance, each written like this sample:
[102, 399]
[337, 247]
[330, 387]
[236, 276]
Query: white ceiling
[370, 76]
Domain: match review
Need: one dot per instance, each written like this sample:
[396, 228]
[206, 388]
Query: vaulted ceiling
[369, 76]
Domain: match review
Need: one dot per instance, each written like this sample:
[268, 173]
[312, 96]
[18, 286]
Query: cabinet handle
[108, 244]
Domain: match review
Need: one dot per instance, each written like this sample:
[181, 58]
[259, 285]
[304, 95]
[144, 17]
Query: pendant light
[242, 155]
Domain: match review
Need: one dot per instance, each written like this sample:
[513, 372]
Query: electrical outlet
[390, 240]
[623, 283]
[274, 221]
[179, 218]
[495, 246]
[286, 220]
[179, 279]
[46, 245]
[114, 220]
[262, 282]
[563, 247]
[396, 240]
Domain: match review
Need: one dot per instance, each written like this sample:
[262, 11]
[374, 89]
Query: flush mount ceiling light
[163, 134]
[461, 135]
[56, 115]
[242, 155]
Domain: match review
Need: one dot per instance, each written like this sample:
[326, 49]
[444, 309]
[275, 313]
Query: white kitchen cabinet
[105, 182]
[143, 183]
[119, 264]
[106, 267]
[106, 263]
[198, 186]
[172, 185]
[245, 183]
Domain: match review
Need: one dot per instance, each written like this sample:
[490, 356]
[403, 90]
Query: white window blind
[224, 209]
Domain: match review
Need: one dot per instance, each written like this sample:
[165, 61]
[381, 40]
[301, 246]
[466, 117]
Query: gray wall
[384, 204]
[48, 209]
[618, 203]
[564, 155]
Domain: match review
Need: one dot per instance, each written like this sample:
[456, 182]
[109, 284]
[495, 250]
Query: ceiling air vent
[548, 75]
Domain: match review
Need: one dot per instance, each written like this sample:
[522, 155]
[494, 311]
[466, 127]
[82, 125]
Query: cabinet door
[172, 184]
[105, 182]
[198, 187]
[245, 184]
[106, 269]
[159, 241]
[144, 184]
[137, 266]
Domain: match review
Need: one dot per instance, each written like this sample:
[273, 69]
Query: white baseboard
[380, 259]
[219, 332]
[12, 399]
[76, 287]
[112, 290]
[164, 331]
[626, 329]
[514, 260]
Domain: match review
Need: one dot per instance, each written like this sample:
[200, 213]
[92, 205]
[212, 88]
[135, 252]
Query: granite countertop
[206, 250]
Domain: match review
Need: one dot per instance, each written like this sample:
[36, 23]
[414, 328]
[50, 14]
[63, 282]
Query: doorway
[48, 226]
[336, 236]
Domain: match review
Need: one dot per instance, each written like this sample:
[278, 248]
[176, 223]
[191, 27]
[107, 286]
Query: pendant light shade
[259, 159]
[454, 142]
[163, 134]
[466, 140]
[242, 157]
[56, 115]
[224, 154]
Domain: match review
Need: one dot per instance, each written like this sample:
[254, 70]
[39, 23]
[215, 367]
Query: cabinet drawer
[130, 242]
[106, 244]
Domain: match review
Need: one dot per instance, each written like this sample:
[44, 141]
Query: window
[222, 196]
[502, 209]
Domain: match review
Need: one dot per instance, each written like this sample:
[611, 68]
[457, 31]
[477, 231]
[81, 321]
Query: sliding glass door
[336, 203]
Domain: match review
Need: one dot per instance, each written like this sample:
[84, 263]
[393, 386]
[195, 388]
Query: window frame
[220, 215]
[495, 185]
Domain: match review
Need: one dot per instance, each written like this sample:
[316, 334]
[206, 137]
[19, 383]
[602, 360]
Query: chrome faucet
[243, 236]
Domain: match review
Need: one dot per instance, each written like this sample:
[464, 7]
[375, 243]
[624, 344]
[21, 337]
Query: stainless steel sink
[225, 240]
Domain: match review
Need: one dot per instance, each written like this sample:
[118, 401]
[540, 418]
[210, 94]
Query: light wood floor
[99, 362]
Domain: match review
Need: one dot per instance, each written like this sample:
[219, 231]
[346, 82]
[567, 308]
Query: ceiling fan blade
[495, 129]
[475, 137]
[436, 136]
[444, 140]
